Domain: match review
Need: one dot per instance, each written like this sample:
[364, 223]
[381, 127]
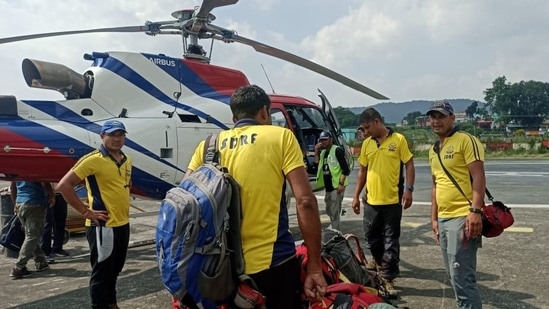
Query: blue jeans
[460, 259]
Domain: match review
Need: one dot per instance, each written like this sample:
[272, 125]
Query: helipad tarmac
[513, 268]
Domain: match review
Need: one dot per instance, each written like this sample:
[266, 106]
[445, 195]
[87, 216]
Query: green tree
[411, 117]
[525, 103]
[346, 118]
[471, 110]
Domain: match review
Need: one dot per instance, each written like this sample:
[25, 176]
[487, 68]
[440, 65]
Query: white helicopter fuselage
[168, 106]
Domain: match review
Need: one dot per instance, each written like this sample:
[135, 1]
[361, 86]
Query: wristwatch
[411, 188]
[475, 210]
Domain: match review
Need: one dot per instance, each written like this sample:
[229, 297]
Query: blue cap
[325, 135]
[441, 106]
[113, 125]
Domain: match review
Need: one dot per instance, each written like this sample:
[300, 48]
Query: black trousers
[281, 285]
[56, 217]
[382, 234]
[105, 274]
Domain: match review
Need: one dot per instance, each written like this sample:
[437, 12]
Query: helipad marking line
[531, 206]
[513, 229]
[413, 225]
[519, 229]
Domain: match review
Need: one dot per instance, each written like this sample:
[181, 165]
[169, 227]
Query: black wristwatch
[475, 210]
[411, 188]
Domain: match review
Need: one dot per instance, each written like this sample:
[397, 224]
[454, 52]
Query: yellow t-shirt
[458, 151]
[108, 184]
[385, 163]
[258, 157]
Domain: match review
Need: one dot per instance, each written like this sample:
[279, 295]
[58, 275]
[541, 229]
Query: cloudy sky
[404, 49]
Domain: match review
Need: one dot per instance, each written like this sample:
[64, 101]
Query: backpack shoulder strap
[437, 149]
[235, 223]
[211, 154]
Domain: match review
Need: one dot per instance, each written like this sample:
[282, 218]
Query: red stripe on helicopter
[222, 80]
[29, 160]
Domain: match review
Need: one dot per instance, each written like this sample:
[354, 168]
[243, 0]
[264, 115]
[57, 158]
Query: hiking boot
[61, 252]
[41, 266]
[372, 265]
[17, 273]
[389, 288]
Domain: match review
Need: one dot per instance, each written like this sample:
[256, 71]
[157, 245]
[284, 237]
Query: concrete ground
[513, 269]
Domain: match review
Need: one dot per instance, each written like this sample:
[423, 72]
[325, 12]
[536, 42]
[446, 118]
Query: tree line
[525, 103]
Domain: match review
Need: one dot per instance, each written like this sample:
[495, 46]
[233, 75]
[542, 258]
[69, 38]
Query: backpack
[496, 217]
[331, 274]
[352, 265]
[197, 236]
[12, 235]
[348, 296]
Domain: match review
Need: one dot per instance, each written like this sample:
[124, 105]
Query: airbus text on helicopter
[167, 104]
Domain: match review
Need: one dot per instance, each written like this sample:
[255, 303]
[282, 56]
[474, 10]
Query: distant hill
[394, 112]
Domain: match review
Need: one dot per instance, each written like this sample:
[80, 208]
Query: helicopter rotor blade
[207, 6]
[229, 36]
[150, 28]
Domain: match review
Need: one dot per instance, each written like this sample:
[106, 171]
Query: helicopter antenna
[272, 89]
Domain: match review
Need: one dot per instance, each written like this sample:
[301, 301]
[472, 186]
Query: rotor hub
[187, 14]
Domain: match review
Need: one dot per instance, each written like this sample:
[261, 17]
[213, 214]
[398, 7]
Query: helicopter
[167, 104]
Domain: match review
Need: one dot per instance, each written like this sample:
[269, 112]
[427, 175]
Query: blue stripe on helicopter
[187, 76]
[150, 185]
[121, 69]
[59, 112]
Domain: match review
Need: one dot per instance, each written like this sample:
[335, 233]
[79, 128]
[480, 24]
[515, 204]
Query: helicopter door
[189, 135]
[331, 117]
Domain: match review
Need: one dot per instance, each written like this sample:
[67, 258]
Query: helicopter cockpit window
[308, 122]
[307, 117]
[278, 118]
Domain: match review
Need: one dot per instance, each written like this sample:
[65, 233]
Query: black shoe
[17, 273]
[50, 259]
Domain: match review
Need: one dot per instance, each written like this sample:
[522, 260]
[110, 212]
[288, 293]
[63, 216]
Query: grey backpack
[197, 237]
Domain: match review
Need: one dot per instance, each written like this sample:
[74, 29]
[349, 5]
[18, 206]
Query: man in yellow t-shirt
[107, 171]
[382, 158]
[261, 157]
[456, 214]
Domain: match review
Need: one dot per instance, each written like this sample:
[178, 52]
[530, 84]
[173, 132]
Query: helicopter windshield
[307, 117]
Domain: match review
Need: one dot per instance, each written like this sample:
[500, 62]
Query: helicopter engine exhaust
[54, 76]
